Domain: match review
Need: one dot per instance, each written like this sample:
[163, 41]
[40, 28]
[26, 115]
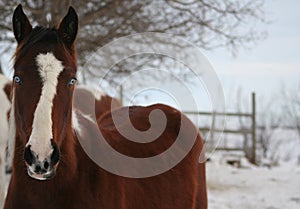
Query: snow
[251, 187]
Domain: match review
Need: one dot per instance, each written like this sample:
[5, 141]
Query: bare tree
[268, 121]
[209, 24]
[291, 109]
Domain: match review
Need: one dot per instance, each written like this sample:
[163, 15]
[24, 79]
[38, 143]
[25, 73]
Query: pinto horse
[51, 168]
[101, 101]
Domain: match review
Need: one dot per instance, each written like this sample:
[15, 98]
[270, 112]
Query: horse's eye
[72, 81]
[17, 79]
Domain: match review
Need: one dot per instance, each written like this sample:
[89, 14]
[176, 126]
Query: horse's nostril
[46, 165]
[55, 156]
[28, 155]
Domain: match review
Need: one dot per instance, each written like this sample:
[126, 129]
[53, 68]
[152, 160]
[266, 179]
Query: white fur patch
[97, 94]
[75, 122]
[11, 133]
[4, 108]
[40, 140]
[3, 81]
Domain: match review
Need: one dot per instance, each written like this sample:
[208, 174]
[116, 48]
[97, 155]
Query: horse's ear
[68, 27]
[21, 24]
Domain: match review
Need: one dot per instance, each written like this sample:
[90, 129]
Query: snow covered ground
[252, 187]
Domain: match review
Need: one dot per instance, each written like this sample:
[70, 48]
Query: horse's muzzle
[41, 169]
[42, 175]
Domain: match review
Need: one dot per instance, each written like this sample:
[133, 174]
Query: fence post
[253, 129]
[121, 94]
[213, 127]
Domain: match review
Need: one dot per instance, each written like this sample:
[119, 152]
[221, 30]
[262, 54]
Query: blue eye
[72, 81]
[17, 79]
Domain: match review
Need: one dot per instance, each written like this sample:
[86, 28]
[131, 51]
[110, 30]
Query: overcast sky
[270, 64]
[265, 68]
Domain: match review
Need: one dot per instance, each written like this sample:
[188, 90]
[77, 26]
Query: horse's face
[44, 78]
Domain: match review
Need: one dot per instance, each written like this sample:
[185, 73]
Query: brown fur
[7, 90]
[81, 184]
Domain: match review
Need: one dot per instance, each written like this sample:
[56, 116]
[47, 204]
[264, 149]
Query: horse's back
[93, 102]
[178, 187]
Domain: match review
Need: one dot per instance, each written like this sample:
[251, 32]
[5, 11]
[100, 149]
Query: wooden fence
[250, 130]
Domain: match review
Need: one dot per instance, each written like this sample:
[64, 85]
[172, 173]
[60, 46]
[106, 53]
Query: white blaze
[40, 140]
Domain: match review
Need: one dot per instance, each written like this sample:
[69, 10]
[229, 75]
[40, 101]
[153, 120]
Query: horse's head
[44, 77]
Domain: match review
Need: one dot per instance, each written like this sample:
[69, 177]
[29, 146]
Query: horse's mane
[39, 34]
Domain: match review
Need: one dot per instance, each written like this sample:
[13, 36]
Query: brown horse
[101, 101]
[51, 170]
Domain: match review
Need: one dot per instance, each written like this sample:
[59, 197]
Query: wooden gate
[249, 130]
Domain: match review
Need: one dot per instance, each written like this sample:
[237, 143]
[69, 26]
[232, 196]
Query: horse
[5, 86]
[102, 103]
[51, 165]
